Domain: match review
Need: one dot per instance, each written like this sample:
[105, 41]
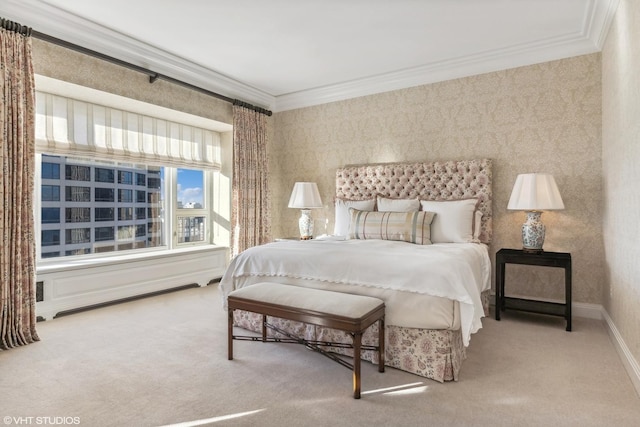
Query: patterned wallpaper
[539, 118]
[543, 117]
[621, 156]
[63, 64]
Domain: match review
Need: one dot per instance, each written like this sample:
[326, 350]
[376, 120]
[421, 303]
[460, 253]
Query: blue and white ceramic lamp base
[533, 232]
[306, 225]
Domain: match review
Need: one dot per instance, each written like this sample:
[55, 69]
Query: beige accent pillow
[412, 227]
[454, 220]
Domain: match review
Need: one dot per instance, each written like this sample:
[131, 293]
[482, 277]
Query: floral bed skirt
[430, 353]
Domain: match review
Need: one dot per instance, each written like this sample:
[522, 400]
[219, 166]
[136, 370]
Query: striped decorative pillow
[412, 227]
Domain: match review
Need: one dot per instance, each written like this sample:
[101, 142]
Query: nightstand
[547, 259]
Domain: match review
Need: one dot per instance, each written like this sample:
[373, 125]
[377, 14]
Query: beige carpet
[162, 360]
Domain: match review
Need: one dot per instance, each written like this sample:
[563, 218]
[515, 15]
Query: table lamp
[305, 196]
[534, 193]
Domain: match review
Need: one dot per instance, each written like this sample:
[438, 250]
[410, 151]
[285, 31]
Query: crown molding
[440, 71]
[66, 26]
[598, 22]
[590, 39]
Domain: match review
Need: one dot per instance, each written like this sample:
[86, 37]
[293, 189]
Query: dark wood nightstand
[547, 259]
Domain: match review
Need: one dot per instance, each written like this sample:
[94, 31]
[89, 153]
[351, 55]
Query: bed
[415, 235]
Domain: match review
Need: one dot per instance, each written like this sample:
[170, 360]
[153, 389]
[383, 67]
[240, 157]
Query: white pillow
[398, 205]
[454, 220]
[343, 217]
[477, 226]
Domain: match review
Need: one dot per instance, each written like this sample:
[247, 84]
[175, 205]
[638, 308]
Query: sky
[190, 185]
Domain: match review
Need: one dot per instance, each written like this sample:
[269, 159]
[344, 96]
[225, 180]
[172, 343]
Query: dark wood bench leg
[264, 328]
[381, 345]
[357, 342]
[230, 333]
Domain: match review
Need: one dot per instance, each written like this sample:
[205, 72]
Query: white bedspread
[455, 271]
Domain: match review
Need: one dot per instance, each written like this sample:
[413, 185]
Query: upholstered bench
[336, 310]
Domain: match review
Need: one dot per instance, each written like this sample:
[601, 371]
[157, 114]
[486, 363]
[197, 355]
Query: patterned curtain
[17, 156]
[251, 212]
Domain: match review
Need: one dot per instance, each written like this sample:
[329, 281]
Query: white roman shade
[70, 127]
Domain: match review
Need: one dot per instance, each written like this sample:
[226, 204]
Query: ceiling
[284, 54]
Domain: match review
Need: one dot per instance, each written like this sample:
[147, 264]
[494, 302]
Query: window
[50, 237]
[190, 189]
[103, 233]
[141, 230]
[50, 254]
[125, 214]
[126, 232]
[77, 215]
[106, 248]
[104, 195]
[125, 177]
[50, 193]
[77, 173]
[50, 170]
[125, 196]
[153, 182]
[81, 251]
[77, 235]
[104, 214]
[77, 194]
[104, 175]
[50, 215]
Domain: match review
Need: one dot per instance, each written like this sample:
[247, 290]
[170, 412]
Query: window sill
[79, 264]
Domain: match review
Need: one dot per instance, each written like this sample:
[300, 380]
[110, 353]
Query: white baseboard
[630, 363]
[597, 312]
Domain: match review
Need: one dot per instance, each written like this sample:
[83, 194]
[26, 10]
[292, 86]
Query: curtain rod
[153, 76]
[15, 27]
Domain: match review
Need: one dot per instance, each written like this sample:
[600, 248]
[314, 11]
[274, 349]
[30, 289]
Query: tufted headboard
[451, 180]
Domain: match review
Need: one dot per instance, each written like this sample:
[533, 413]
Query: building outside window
[74, 236]
[77, 194]
[50, 193]
[104, 233]
[104, 214]
[77, 173]
[50, 215]
[104, 175]
[125, 196]
[122, 214]
[50, 237]
[77, 215]
[125, 214]
[104, 194]
[50, 170]
[125, 177]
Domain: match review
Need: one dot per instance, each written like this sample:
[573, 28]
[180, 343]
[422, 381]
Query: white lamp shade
[535, 192]
[305, 195]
